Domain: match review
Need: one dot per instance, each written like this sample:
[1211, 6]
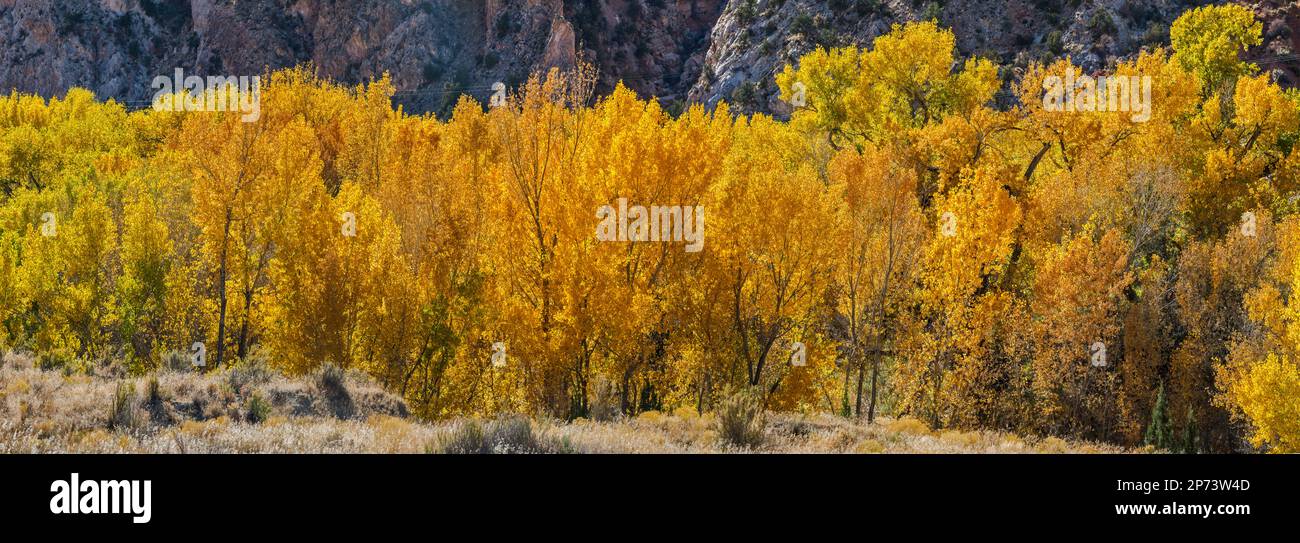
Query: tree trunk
[875, 375]
[857, 402]
[243, 327]
[844, 402]
[221, 291]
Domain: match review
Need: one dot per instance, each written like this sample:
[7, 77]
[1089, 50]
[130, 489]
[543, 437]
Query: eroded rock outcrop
[679, 50]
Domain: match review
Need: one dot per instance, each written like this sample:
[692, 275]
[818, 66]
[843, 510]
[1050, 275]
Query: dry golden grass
[47, 411]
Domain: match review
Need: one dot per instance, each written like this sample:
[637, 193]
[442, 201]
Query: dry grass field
[251, 410]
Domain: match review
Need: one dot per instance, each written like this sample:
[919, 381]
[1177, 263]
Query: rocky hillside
[679, 50]
[753, 39]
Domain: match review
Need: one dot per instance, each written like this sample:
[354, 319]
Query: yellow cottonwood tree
[770, 218]
[1260, 378]
[948, 342]
[885, 237]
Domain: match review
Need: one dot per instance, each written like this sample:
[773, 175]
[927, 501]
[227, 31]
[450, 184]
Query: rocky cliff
[753, 39]
[678, 50]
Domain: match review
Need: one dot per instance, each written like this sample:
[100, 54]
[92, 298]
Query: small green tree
[1190, 437]
[1158, 432]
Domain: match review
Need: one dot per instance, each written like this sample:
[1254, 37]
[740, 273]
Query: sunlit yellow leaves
[65, 277]
[1266, 393]
[983, 217]
[1078, 299]
[769, 221]
[974, 226]
[905, 81]
[1260, 380]
[147, 254]
[1207, 41]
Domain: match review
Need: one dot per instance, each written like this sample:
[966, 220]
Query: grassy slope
[47, 411]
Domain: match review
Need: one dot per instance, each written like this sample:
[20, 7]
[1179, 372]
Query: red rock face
[1280, 52]
[678, 50]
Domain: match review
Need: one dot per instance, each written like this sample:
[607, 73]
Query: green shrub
[741, 420]
[124, 413]
[1101, 22]
[746, 12]
[153, 392]
[503, 26]
[1055, 42]
[1156, 34]
[745, 94]
[431, 71]
[1191, 436]
[56, 360]
[258, 409]
[803, 25]
[250, 372]
[332, 383]
[932, 12]
[465, 437]
[511, 435]
[178, 361]
[869, 7]
[508, 435]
